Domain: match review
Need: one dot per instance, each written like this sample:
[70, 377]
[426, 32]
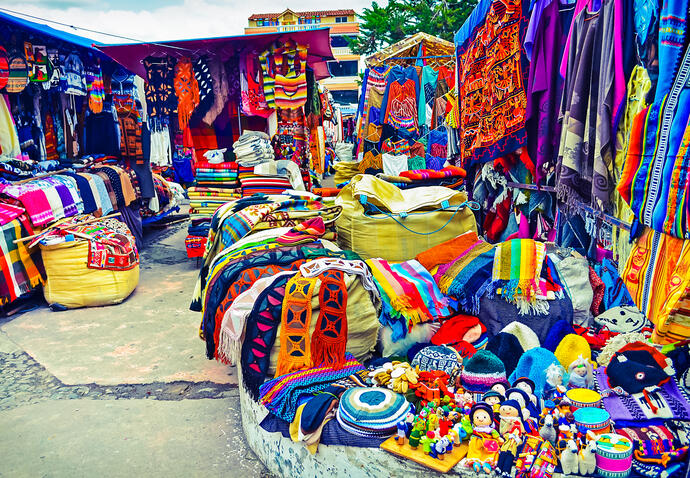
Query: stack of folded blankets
[214, 185]
[253, 148]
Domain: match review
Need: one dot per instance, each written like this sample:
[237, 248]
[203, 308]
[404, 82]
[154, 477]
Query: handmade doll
[529, 420]
[493, 398]
[500, 387]
[554, 389]
[444, 424]
[402, 432]
[482, 452]
[415, 436]
[581, 374]
[527, 386]
[512, 430]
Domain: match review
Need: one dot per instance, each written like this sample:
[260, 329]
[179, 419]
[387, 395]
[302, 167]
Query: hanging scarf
[187, 90]
[204, 81]
[160, 99]
[95, 88]
[295, 346]
[517, 267]
[330, 337]
[260, 335]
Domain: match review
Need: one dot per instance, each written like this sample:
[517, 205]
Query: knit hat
[623, 319]
[438, 357]
[557, 332]
[571, 348]
[638, 366]
[515, 405]
[481, 371]
[507, 348]
[533, 364]
[457, 328]
[526, 336]
[481, 406]
[492, 393]
[371, 412]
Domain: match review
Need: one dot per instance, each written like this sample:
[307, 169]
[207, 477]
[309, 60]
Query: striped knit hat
[481, 371]
[371, 412]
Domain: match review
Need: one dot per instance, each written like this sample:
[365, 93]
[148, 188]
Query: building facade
[343, 24]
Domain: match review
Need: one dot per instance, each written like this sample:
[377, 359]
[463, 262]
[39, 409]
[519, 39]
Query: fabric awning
[130, 55]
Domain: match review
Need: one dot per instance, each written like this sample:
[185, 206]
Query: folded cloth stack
[253, 148]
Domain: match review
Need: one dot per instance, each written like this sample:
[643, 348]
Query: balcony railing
[341, 50]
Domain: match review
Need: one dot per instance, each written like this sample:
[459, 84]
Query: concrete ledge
[287, 459]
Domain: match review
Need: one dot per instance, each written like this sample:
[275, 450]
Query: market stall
[73, 140]
[466, 304]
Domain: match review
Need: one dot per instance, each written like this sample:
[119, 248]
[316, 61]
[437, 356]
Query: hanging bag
[4, 67]
[18, 75]
[381, 220]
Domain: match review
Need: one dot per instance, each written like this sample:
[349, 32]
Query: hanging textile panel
[491, 84]
[657, 276]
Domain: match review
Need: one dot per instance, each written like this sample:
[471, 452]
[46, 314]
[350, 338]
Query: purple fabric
[68, 205]
[672, 404]
[545, 87]
[534, 19]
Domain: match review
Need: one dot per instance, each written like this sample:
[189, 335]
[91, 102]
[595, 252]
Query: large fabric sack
[70, 283]
[381, 220]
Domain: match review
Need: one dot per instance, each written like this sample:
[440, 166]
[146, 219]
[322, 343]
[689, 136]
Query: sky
[158, 20]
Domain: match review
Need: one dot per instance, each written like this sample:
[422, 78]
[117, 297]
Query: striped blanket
[20, 270]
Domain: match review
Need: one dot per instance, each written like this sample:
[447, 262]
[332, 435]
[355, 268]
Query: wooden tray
[417, 455]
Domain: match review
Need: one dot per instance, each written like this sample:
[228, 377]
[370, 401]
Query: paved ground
[122, 390]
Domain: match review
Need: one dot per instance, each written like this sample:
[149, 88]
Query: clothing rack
[418, 57]
[614, 221]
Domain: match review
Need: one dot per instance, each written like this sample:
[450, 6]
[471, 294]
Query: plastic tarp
[130, 55]
[45, 30]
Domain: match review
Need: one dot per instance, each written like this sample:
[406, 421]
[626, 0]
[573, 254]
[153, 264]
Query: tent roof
[45, 30]
[130, 55]
[409, 47]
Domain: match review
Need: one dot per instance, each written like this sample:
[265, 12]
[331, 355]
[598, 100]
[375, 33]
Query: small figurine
[581, 374]
[512, 430]
[547, 431]
[482, 453]
[569, 459]
[500, 387]
[493, 398]
[415, 438]
[554, 389]
[432, 422]
[402, 432]
[587, 460]
[409, 424]
[527, 386]
[440, 447]
[426, 442]
[444, 424]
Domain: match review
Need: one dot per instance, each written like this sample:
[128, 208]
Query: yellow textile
[9, 141]
[71, 284]
[409, 222]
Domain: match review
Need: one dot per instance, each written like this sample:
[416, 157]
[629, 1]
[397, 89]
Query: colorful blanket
[9, 212]
[517, 267]
[20, 270]
[281, 395]
[448, 172]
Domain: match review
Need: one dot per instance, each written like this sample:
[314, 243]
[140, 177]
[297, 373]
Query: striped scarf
[517, 267]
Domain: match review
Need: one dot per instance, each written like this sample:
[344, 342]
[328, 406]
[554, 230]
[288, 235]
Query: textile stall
[73, 140]
[501, 285]
[247, 113]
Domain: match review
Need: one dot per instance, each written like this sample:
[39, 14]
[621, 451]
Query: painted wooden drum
[614, 456]
[583, 398]
[593, 419]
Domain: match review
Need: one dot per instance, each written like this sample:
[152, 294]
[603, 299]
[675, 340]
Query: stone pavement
[121, 390]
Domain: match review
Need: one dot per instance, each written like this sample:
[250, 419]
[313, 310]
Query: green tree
[381, 26]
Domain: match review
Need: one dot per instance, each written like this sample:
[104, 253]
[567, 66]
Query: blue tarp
[476, 18]
[45, 30]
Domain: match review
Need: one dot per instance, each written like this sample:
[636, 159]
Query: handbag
[380, 220]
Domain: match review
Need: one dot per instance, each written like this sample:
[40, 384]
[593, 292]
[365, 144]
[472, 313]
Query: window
[340, 19]
[345, 97]
[343, 68]
[339, 41]
[259, 23]
[317, 20]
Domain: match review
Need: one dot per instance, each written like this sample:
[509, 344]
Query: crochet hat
[526, 336]
[507, 348]
[481, 406]
[623, 319]
[437, 357]
[557, 332]
[533, 364]
[371, 412]
[571, 348]
[481, 371]
[638, 366]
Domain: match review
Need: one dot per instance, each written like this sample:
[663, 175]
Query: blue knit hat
[533, 364]
[506, 347]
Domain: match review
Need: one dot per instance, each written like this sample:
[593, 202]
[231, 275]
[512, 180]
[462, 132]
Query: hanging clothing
[160, 92]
